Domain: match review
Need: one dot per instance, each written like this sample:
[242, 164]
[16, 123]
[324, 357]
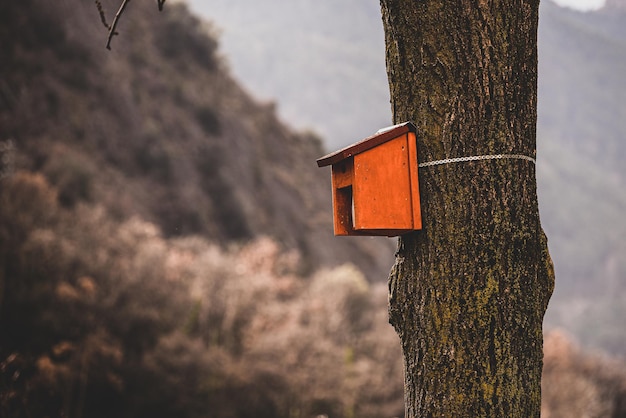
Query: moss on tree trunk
[468, 292]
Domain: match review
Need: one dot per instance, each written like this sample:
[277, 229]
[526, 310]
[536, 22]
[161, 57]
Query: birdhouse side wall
[342, 174]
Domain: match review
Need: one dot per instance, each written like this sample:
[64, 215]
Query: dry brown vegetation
[108, 318]
[579, 384]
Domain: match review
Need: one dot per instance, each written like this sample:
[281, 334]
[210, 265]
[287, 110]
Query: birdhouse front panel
[375, 185]
[382, 187]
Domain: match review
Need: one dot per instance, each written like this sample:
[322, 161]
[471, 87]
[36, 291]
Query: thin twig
[160, 3]
[114, 24]
[103, 18]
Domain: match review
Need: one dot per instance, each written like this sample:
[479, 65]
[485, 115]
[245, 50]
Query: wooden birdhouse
[374, 184]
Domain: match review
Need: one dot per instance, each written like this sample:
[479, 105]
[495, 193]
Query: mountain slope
[322, 61]
[154, 130]
[581, 174]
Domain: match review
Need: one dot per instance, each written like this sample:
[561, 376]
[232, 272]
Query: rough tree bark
[468, 292]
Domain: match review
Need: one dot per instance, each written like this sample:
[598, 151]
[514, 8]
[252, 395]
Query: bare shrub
[580, 385]
[109, 318]
[72, 174]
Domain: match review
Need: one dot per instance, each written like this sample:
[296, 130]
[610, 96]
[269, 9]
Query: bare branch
[114, 24]
[116, 19]
[103, 18]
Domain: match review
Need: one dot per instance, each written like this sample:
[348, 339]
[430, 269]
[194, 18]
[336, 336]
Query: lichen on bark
[468, 292]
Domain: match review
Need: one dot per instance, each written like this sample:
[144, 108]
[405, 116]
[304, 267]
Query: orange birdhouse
[375, 184]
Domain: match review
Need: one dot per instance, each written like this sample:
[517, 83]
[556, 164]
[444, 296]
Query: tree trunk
[469, 291]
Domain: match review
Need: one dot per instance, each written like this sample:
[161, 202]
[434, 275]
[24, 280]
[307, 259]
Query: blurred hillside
[322, 61]
[582, 121]
[163, 132]
[581, 170]
[165, 241]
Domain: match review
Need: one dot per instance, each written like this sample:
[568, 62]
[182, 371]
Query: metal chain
[479, 157]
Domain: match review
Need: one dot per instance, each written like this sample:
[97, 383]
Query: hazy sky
[581, 4]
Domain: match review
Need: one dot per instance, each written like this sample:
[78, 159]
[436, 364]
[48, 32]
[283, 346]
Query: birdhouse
[374, 184]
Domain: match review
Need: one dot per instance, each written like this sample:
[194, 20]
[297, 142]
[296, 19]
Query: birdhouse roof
[380, 137]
